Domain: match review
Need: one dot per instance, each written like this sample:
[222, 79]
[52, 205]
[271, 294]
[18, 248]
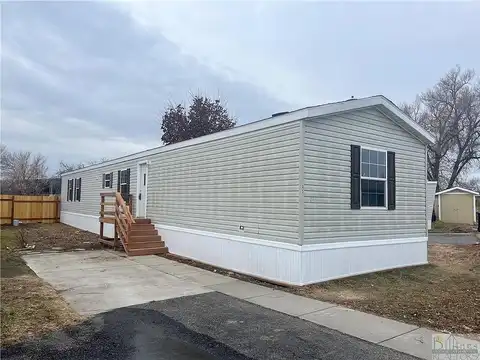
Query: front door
[142, 191]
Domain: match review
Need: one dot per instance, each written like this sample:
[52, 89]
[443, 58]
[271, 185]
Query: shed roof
[457, 188]
[378, 102]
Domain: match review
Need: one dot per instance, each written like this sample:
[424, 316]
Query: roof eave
[378, 101]
[405, 120]
[457, 188]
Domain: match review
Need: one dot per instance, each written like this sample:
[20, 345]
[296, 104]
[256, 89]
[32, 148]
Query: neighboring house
[456, 205]
[314, 194]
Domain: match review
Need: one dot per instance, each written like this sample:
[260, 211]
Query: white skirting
[86, 222]
[276, 261]
[293, 264]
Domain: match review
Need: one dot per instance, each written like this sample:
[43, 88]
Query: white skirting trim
[290, 263]
[280, 262]
[86, 222]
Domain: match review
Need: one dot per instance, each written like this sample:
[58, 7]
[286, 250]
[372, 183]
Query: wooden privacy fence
[27, 209]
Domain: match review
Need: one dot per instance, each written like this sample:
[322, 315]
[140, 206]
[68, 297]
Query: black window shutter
[111, 180]
[391, 180]
[355, 177]
[118, 182]
[79, 188]
[128, 183]
[103, 181]
[68, 190]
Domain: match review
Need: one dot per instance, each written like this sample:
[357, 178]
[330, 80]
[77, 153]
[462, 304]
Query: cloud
[313, 52]
[84, 80]
[93, 84]
[232, 39]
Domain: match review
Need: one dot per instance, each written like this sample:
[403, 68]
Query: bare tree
[66, 167]
[23, 173]
[451, 112]
[472, 183]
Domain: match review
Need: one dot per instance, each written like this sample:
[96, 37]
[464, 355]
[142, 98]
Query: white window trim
[385, 207]
[75, 188]
[120, 180]
[70, 181]
[110, 180]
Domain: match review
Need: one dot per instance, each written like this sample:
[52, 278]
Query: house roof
[457, 188]
[379, 102]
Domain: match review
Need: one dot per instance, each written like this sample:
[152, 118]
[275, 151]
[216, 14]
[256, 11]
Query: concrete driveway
[97, 281]
[152, 308]
[461, 239]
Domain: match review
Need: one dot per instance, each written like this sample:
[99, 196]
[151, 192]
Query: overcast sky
[82, 81]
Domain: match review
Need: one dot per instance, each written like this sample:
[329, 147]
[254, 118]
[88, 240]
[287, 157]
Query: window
[70, 190]
[78, 189]
[373, 178]
[123, 182]
[107, 180]
[123, 186]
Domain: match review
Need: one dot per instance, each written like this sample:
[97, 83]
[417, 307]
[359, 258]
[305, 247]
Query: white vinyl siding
[327, 213]
[92, 186]
[249, 180]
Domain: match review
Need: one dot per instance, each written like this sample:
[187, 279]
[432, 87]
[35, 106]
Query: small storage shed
[456, 205]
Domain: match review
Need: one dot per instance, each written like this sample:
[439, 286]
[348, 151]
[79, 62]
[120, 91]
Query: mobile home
[310, 195]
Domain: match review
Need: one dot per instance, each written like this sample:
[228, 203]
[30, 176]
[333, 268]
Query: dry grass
[30, 307]
[444, 295]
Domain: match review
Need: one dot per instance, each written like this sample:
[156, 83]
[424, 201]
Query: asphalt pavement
[206, 326]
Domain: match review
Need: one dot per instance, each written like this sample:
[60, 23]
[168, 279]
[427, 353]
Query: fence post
[12, 211]
[56, 210]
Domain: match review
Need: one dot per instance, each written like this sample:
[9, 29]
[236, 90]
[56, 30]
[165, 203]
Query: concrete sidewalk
[136, 280]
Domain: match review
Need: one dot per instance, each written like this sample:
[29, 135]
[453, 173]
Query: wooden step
[136, 226]
[142, 221]
[142, 232]
[144, 238]
[147, 251]
[145, 244]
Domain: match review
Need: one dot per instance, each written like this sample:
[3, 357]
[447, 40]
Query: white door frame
[146, 163]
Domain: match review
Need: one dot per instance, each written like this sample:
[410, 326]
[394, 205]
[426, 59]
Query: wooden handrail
[124, 219]
[124, 207]
[121, 213]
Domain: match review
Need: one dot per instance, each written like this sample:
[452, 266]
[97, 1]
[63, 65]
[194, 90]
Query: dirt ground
[30, 307]
[55, 236]
[441, 227]
[444, 295]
